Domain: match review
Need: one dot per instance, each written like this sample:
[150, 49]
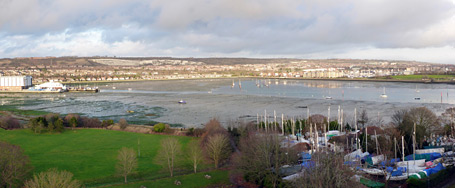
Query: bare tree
[326, 170]
[170, 149]
[53, 178]
[195, 155]
[218, 148]
[261, 157]
[9, 122]
[126, 162]
[448, 118]
[398, 116]
[123, 123]
[14, 165]
[424, 117]
[363, 118]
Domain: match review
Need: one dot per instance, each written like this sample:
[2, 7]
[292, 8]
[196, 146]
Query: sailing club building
[15, 83]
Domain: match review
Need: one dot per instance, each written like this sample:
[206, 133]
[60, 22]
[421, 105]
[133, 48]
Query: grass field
[420, 77]
[90, 154]
[188, 181]
[15, 110]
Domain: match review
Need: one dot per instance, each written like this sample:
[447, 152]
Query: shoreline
[279, 78]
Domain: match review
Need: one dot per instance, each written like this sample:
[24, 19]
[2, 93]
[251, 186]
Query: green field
[13, 109]
[420, 77]
[90, 154]
[187, 181]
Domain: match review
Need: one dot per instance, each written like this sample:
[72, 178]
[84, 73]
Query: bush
[8, 122]
[107, 123]
[53, 178]
[123, 123]
[159, 128]
[71, 116]
[90, 122]
[15, 166]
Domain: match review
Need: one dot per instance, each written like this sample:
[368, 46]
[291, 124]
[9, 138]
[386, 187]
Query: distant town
[82, 69]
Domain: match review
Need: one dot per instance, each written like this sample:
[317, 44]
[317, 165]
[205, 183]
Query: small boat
[130, 89]
[383, 95]
[374, 171]
[417, 98]
[114, 88]
[328, 97]
[130, 111]
[182, 102]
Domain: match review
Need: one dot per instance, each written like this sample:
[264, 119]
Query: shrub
[123, 123]
[159, 128]
[15, 166]
[8, 122]
[90, 122]
[107, 123]
[53, 178]
[68, 118]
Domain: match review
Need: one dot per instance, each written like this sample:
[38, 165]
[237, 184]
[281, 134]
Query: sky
[418, 30]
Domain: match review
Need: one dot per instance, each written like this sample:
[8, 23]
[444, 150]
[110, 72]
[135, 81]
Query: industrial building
[15, 83]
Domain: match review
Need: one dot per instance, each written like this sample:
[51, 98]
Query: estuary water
[238, 99]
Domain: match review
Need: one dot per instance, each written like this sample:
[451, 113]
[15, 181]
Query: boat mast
[355, 124]
[402, 147]
[282, 124]
[274, 120]
[395, 146]
[366, 139]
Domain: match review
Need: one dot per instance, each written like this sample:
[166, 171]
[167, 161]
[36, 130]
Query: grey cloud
[252, 27]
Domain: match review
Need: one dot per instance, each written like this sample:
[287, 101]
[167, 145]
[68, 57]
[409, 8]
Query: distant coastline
[280, 78]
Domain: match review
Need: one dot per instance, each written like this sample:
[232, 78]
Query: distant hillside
[42, 62]
[122, 61]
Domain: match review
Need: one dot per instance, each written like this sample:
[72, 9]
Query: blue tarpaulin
[308, 164]
[434, 170]
[389, 169]
[306, 156]
[426, 156]
[397, 173]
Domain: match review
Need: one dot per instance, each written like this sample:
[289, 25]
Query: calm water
[146, 101]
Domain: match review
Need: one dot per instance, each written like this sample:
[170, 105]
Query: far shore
[280, 78]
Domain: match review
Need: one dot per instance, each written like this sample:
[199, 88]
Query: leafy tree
[59, 125]
[50, 127]
[126, 162]
[195, 155]
[170, 149]
[333, 125]
[15, 167]
[107, 123]
[73, 122]
[160, 127]
[53, 178]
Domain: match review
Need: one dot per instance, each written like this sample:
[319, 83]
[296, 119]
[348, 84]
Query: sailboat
[383, 95]
[417, 91]
[233, 84]
[240, 84]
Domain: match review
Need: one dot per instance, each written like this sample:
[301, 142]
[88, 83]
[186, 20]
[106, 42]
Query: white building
[51, 86]
[14, 83]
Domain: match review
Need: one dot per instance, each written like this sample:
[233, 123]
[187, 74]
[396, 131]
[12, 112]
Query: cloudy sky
[422, 30]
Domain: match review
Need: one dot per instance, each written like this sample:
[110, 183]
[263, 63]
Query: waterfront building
[53, 86]
[15, 83]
